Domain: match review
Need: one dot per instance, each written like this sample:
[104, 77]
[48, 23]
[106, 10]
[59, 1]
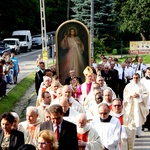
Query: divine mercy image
[73, 51]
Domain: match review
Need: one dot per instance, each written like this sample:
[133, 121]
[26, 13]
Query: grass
[16, 93]
[146, 58]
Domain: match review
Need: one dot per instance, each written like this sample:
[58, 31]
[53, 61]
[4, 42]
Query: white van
[14, 44]
[25, 39]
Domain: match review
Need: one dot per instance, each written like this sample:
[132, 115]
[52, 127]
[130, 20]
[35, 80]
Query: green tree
[103, 16]
[25, 14]
[15, 15]
[56, 13]
[99, 46]
[133, 17]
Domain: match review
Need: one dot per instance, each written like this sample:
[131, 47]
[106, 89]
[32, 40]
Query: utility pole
[68, 8]
[43, 32]
[52, 39]
[92, 29]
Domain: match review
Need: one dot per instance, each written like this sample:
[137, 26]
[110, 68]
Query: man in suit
[123, 78]
[141, 67]
[39, 76]
[66, 132]
[107, 74]
[72, 74]
[115, 78]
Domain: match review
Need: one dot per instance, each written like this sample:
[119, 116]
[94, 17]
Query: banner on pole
[139, 47]
[45, 55]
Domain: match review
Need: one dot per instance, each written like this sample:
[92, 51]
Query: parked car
[4, 48]
[37, 41]
[14, 44]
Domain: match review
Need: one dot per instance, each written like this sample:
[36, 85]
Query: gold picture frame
[72, 49]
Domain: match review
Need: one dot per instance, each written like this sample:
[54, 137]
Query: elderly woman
[9, 138]
[46, 140]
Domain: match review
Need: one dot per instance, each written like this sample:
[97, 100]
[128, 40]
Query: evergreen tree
[103, 16]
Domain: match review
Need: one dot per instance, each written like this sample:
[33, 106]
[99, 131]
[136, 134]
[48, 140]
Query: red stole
[43, 89]
[110, 107]
[70, 104]
[31, 130]
[54, 96]
[83, 137]
[44, 107]
[120, 119]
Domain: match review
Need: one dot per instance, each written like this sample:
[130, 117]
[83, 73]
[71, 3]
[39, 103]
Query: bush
[99, 47]
[124, 51]
[114, 51]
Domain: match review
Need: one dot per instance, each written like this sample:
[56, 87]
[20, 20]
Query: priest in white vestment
[88, 138]
[66, 91]
[93, 109]
[46, 101]
[135, 102]
[53, 88]
[127, 123]
[69, 113]
[91, 97]
[146, 82]
[44, 85]
[32, 122]
[16, 126]
[107, 97]
[59, 94]
[108, 128]
[101, 82]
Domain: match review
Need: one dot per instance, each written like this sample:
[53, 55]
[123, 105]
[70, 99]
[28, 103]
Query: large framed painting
[72, 49]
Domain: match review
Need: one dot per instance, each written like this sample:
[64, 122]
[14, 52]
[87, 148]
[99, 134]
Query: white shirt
[125, 73]
[55, 127]
[117, 67]
[130, 71]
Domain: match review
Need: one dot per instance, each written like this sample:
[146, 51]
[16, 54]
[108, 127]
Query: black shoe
[137, 136]
[142, 129]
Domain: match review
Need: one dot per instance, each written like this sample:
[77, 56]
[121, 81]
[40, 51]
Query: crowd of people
[104, 112]
[9, 69]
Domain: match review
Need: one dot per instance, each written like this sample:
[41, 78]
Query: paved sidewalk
[143, 143]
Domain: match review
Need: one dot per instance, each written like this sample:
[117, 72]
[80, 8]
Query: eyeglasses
[116, 105]
[103, 113]
[42, 143]
[135, 77]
